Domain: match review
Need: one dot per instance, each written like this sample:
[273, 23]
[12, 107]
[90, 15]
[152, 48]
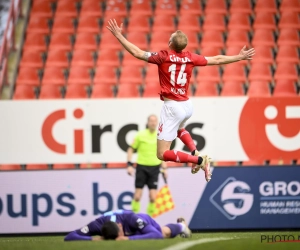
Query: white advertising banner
[93, 131]
[62, 201]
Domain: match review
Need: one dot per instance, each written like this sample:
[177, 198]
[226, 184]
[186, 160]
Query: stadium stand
[66, 46]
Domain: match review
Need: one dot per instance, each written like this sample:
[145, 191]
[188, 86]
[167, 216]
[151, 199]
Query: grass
[237, 240]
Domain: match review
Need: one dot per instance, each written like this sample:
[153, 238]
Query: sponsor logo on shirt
[140, 223]
[174, 58]
[85, 230]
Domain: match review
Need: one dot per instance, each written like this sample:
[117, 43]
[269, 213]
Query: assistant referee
[148, 165]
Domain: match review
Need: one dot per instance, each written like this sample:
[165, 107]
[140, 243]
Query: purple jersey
[135, 226]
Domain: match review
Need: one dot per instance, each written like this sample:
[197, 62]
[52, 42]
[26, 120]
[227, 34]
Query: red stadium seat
[240, 6]
[23, 92]
[288, 54]
[214, 21]
[139, 39]
[239, 21]
[141, 8]
[285, 88]
[66, 8]
[41, 9]
[286, 71]
[116, 8]
[151, 78]
[9, 167]
[109, 57]
[63, 166]
[265, 20]
[216, 6]
[79, 75]
[57, 58]
[259, 89]
[109, 74]
[129, 59]
[83, 58]
[91, 165]
[288, 37]
[128, 91]
[235, 50]
[86, 41]
[108, 41]
[267, 6]
[102, 91]
[224, 163]
[159, 39]
[289, 20]
[252, 163]
[138, 23]
[234, 72]
[54, 75]
[189, 23]
[232, 88]
[151, 91]
[90, 8]
[166, 7]
[260, 72]
[171, 164]
[237, 38]
[193, 41]
[76, 91]
[208, 74]
[212, 39]
[163, 23]
[264, 55]
[131, 74]
[50, 92]
[280, 162]
[63, 24]
[28, 76]
[206, 89]
[37, 167]
[290, 5]
[35, 41]
[60, 41]
[210, 51]
[263, 37]
[116, 165]
[190, 7]
[31, 58]
[38, 25]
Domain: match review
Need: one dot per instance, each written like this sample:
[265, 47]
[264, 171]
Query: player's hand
[130, 170]
[114, 28]
[97, 238]
[247, 54]
[122, 238]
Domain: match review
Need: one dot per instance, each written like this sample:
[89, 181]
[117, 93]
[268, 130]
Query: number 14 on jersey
[181, 79]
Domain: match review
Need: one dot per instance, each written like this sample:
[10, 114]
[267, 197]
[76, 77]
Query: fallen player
[126, 225]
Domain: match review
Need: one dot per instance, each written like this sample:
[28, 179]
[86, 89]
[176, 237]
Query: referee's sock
[177, 156]
[136, 206]
[151, 209]
[186, 138]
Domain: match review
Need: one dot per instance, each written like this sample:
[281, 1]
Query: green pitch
[207, 241]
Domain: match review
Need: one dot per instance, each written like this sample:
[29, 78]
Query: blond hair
[179, 41]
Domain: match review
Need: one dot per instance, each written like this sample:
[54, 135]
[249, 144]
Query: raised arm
[221, 59]
[130, 47]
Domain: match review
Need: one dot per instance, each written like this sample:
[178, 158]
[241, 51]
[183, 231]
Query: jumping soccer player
[126, 225]
[175, 69]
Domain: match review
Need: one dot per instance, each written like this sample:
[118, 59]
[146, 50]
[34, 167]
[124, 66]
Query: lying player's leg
[179, 228]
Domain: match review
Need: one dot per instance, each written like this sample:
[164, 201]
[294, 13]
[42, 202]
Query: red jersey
[174, 71]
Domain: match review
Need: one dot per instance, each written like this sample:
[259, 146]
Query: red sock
[186, 138]
[177, 156]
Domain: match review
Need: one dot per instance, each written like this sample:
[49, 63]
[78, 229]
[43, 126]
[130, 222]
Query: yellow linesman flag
[164, 201]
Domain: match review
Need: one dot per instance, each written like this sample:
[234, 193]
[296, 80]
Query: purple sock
[175, 229]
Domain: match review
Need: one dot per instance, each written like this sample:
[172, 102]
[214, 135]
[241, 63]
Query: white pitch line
[186, 245]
